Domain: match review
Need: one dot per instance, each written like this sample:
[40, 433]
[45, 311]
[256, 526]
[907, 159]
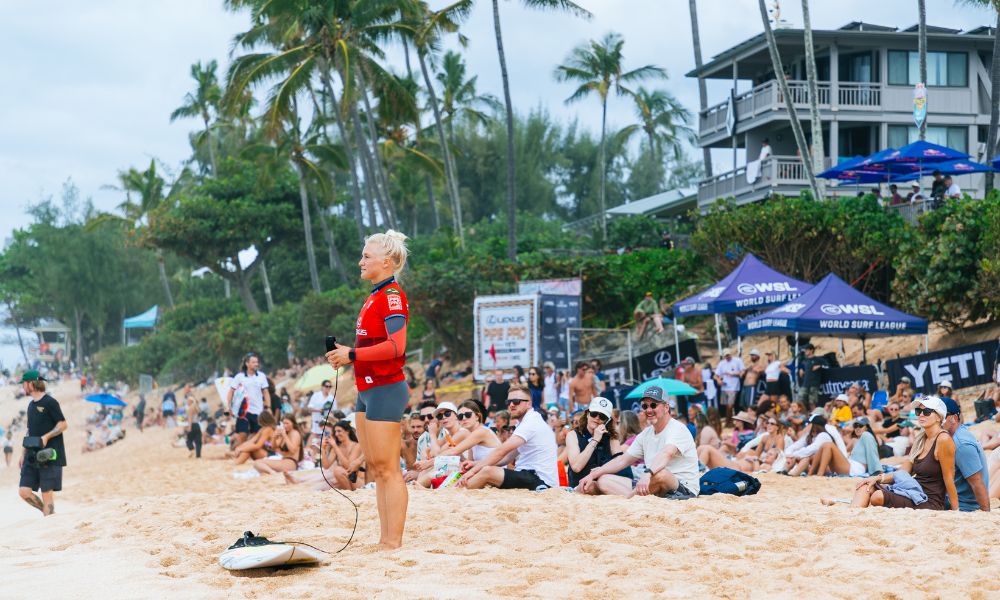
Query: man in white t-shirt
[247, 396]
[731, 370]
[667, 448]
[532, 445]
[317, 406]
[550, 393]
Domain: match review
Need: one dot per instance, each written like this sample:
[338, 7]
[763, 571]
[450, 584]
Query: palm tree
[779, 74]
[702, 91]
[560, 5]
[203, 102]
[597, 67]
[817, 125]
[922, 51]
[663, 120]
[459, 97]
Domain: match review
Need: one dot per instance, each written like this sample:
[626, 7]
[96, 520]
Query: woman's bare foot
[386, 546]
[827, 501]
[288, 477]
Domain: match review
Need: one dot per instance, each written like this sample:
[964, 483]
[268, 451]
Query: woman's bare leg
[821, 461]
[713, 458]
[383, 464]
[799, 467]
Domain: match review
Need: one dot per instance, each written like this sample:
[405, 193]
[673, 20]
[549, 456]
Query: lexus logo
[663, 358]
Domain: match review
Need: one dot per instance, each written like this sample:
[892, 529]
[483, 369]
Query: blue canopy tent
[996, 163]
[832, 307]
[751, 285]
[146, 320]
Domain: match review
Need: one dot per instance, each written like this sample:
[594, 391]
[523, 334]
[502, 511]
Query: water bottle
[741, 486]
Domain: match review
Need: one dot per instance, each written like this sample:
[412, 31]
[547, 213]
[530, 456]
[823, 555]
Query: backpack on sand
[728, 481]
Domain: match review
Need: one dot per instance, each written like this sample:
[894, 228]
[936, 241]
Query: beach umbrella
[956, 167]
[312, 379]
[996, 163]
[925, 152]
[105, 399]
[670, 387]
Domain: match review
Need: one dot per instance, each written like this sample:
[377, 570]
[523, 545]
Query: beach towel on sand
[728, 481]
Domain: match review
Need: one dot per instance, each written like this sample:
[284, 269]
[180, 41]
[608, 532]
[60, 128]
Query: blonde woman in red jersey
[378, 359]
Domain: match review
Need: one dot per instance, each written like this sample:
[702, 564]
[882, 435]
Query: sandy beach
[140, 519]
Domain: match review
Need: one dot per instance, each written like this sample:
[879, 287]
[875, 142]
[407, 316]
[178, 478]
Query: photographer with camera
[44, 453]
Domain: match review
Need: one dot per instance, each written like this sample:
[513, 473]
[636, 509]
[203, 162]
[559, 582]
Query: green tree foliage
[947, 271]
[853, 237]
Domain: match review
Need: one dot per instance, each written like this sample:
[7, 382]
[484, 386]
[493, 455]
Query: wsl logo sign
[773, 292]
[835, 310]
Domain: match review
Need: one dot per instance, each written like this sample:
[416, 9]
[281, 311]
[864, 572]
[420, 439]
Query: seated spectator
[895, 199]
[288, 442]
[429, 394]
[341, 459]
[646, 313]
[593, 443]
[742, 433]
[797, 416]
[915, 194]
[903, 386]
[708, 426]
[972, 481]
[259, 443]
[951, 189]
[821, 448]
[864, 458]
[668, 451]
[840, 413]
[480, 440]
[413, 428]
[758, 455]
[532, 444]
[445, 432]
[926, 478]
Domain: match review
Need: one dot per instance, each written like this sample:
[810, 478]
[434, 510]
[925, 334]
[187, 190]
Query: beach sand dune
[140, 519]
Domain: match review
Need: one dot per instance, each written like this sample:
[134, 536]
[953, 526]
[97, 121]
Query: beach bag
[728, 481]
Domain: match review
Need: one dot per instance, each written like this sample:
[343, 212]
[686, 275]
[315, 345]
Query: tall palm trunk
[601, 160]
[428, 183]
[307, 226]
[992, 144]
[922, 51]
[333, 255]
[348, 152]
[211, 147]
[163, 277]
[383, 178]
[267, 286]
[433, 202]
[17, 329]
[367, 168]
[511, 174]
[456, 205]
[816, 124]
[702, 91]
[78, 321]
[779, 74]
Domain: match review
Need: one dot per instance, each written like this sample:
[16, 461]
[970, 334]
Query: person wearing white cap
[944, 388]
[446, 432]
[931, 464]
[593, 443]
[532, 444]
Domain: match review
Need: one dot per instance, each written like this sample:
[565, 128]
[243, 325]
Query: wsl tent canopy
[832, 307]
[751, 285]
[146, 320]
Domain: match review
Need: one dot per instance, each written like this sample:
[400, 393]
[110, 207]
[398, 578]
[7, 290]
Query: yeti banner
[964, 367]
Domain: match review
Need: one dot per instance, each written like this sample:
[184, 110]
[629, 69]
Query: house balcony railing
[767, 97]
[774, 171]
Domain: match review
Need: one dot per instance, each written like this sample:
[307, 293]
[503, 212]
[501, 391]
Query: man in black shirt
[811, 376]
[496, 391]
[45, 421]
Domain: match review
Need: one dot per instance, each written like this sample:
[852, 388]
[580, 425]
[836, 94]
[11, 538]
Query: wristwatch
[351, 355]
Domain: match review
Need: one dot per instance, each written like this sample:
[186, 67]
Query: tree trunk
[226, 288]
[78, 318]
[307, 225]
[333, 255]
[702, 92]
[433, 202]
[17, 329]
[267, 286]
[922, 51]
[815, 123]
[163, 278]
[600, 197]
[366, 168]
[211, 148]
[779, 74]
[456, 205]
[383, 178]
[992, 144]
[243, 287]
[348, 153]
[511, 174]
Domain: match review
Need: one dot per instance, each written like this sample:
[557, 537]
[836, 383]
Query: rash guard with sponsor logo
[386, 302]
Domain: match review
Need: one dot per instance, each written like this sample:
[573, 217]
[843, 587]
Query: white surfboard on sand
[268, 555]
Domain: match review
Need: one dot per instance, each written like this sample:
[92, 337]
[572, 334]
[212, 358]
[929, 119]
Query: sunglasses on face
[465, 415]
[426, 417]
[649, 405]
[893, 408]
[772, 422]
[509, 428]
[924, 411]
[516, 401]
[596, 415]
[444, 414]
[326, 387]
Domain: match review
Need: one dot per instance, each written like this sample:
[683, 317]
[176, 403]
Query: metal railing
[911, 211]
[774, 170]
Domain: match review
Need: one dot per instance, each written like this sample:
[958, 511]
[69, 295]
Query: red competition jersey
[384, 301]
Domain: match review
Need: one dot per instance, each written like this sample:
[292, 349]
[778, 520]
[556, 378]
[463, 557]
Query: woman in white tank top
[481, 439]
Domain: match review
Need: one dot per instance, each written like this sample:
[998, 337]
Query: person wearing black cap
[666, 447]
[811, 375]
[972, 478]
[46, 425]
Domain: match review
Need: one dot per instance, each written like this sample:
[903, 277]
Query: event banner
[965, 366]
[553, 287]
[556, 314]
[658, 363]
[836, 381]
[505, 331]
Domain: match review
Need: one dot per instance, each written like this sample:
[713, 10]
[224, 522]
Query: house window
[944, 69]
[956, 138]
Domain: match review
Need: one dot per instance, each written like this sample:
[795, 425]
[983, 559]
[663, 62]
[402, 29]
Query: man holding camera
[44, 453]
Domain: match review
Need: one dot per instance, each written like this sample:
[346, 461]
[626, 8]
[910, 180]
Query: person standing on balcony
[937, 187]
[895, 199]
[765, 149]
[951, 189]
[915, 195]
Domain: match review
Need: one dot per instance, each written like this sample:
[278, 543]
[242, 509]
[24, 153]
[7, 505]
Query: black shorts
[247, 424]
[681, 493]
[774, 388]
[44, 479]
[168, 413]
[8, 449]
[522, 480]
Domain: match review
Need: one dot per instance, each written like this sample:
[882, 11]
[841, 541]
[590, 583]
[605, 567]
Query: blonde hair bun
[393, 244]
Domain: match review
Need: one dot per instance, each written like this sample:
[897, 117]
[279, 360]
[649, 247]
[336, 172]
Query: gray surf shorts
[384, 402]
